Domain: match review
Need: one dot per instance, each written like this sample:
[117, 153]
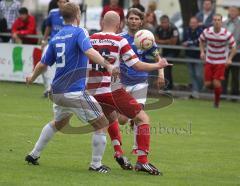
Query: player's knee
[216, 83]
[208, 84]
[122, 120]
[142, 118]
[59, 125]
[112, 117]
[99, 123]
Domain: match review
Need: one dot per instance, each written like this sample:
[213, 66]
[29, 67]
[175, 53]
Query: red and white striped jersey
[217, 45]
[115, 49]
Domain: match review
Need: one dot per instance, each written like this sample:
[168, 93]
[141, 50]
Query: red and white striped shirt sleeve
[127, 54]
[203, 35]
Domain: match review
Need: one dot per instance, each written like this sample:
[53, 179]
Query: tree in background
[189, 8]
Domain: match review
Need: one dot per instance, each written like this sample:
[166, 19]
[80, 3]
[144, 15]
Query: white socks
[99, 141]
[47, 133]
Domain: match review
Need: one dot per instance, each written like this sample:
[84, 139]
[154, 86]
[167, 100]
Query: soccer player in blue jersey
[134, 81]
[70, 49]
[54, 23]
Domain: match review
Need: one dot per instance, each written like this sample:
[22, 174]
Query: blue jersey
[55, 21]
[130, 76]
[66, 49]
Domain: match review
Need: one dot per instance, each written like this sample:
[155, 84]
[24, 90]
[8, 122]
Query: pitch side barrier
[204, 95]
[187, 60]
[175, 59]
[26, 36]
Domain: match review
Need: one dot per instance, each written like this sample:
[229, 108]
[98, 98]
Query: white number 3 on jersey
[60, 55]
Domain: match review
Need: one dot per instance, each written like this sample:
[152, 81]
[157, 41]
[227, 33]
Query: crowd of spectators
[16, 20]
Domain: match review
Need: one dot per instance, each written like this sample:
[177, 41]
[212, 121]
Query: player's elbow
[42, 66]
[138, 66]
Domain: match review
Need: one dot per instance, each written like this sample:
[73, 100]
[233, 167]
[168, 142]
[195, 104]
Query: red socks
[217, 94]
[143, 141]
[115, 135]
[142, 159]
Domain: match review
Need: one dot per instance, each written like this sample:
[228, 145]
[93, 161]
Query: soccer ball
[144, 39]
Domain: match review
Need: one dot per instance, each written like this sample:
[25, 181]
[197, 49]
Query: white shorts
[138, 91]
[83, 105]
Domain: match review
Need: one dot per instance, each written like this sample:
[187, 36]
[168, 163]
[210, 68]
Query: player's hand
[203, 56]
[114, 71]
[29, 80]
[162, 63]
[229, 62]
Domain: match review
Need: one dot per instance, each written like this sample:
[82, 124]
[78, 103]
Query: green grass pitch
[193, 144]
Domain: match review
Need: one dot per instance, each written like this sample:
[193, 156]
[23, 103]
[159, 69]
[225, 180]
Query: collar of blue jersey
[71, 25]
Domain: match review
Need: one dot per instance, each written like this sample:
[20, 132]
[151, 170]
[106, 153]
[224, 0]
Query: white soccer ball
[144, 39]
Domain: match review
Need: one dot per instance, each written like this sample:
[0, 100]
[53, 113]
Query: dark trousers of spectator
[168, 78]
[168, 73]
[234, 70]
[196, 75]
[3, 28]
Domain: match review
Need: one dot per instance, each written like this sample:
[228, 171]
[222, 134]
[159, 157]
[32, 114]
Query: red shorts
[214, 71]
[120, 101]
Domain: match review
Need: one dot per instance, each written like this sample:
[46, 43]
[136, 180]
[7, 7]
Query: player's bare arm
[231, 55]
[142, 66]
[39, 69]
[45, 37]
[202, 50]
[160, 80]
[94, 56]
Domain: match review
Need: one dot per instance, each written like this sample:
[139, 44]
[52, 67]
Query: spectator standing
[9, 10]
[137, 4]
[152, 6]
[114, 6]
[167, 34]
[150, 21]
[3, 28]
[233, 25]
[205, 16]
[24, 25]
[190, 39]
